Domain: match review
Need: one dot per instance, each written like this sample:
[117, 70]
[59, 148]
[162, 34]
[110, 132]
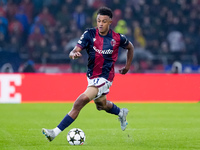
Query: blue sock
[67, 120]
[114, 110]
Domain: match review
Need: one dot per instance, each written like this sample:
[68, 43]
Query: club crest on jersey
[113, 42]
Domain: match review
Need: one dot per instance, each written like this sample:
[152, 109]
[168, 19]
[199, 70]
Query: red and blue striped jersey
[102, 52]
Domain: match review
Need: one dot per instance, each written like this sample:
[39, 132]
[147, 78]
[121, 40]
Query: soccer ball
[76, 136]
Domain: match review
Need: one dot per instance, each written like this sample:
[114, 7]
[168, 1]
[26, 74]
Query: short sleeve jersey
[102, 52]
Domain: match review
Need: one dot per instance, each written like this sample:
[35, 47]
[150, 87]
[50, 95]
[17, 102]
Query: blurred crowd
[44, 31]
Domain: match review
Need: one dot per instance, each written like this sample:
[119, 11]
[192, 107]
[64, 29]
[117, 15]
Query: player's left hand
[124, 70]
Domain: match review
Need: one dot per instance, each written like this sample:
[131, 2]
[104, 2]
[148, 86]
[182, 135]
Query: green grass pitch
[152, 126]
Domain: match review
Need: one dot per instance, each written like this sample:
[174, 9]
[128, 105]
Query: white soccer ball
[76, 136]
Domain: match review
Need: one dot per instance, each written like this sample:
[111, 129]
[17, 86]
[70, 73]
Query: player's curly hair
[105, 11]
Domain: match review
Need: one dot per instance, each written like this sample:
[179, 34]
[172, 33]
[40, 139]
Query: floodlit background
[37, 35]
[41, 33]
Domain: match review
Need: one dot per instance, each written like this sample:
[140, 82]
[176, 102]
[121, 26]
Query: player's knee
[80, 102]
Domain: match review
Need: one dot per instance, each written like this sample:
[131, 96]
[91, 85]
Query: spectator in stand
[71, 4]
[22, 17]
[88, 23]
[198, 47]
[3, 42]
[79, 17]
[46, 3]
[176, 44]
[94, 16]
[15, 28]
[115, 4]
[38, 5]
[142, 56]
[138, 35]
[2, 11]
[97, 3]
[52, 35]
[39, 25]
[11, 9]
[146, 27]
[30, 50]
[174, 6]
[46, 18]
[164, 48]
[14, 44]
[72, 29]
[121, 27]
[28, 67]
[54, 7]
[54, 50]
[155, 7]
[128, 15]
[43, 49]
[122, 54]
[175, 24]
[63, 34]
[34, 54]
[36, 36]
[117, 16]
[63, 17]
[28, 7]
[137, 8]
[191, 40]
[3, 24]
[64, 47]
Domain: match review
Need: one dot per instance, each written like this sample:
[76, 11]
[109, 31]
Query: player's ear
[110, 21]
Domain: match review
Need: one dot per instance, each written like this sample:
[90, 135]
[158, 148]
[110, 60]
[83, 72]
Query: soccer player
[101, 44]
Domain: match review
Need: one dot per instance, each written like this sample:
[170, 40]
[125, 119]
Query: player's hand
[75, 55]
[124, 70]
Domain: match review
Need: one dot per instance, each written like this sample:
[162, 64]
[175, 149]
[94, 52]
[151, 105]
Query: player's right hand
[75, 55]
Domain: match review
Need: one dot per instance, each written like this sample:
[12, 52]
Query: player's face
[103, 24]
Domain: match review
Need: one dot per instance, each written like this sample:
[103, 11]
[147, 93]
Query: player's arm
[82, 43]
[75, 53]
[129, 59]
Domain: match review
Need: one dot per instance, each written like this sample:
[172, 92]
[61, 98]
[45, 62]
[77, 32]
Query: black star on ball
[77, 131]
[72, 139]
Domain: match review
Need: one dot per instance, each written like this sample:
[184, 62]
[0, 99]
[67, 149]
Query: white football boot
[122, 118]
[50, 135]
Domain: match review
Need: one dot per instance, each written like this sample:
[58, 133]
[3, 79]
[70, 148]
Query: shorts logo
[113, 42]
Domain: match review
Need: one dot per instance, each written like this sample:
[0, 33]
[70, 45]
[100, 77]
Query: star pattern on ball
[81, 140]
[77, 131]
[72, 139]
